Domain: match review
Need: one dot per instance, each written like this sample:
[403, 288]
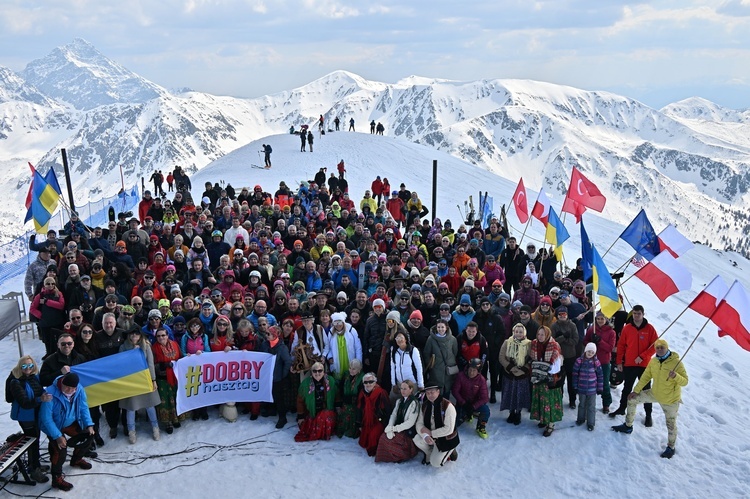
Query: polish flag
[732, 316]
[671, 240]
[541, 208]
[521, 203]
[665, 275]
[709, 298]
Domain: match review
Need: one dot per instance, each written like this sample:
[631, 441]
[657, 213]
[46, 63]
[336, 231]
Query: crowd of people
[387, 327]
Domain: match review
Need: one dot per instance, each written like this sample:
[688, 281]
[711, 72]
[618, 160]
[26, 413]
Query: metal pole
[66, 170]
[434, 189]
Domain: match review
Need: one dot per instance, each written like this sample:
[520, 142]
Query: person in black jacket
[513, 262]
[375, 329]
[59, 362]
[108, 342]
[27, 395]
[275, 346]
[492, 328]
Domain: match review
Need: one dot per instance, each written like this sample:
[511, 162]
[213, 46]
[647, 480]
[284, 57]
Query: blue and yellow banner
[44, 198]
[115, 377]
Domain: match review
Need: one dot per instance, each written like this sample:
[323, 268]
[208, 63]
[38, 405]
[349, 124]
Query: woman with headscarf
[374, 407]
[315, 406]
[166, 353]
[396, 445]
[546, 390]
[516, 387]
[351, 385]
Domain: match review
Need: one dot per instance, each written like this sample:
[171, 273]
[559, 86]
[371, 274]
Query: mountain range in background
[687, 163]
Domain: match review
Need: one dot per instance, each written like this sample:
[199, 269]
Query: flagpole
[626, 263]
[692, 343]
[610, 247]
[66, 170]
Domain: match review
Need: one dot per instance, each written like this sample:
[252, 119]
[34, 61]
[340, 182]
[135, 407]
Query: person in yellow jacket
[668, 375]
[368, 201]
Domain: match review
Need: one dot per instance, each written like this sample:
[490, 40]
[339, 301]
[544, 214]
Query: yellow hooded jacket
[666, 391]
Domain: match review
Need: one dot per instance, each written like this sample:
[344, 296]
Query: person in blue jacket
[27, 395]
[66, 414]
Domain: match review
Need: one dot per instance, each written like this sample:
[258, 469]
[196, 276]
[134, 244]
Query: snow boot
[668, 453]
[548, 430]
[81, 463]
[156, 433]
[229, 412]
[58, 482]
[482, 430]
[623, 428]
[493, 399]
[132, 437]
[39, 476]
[649, 421]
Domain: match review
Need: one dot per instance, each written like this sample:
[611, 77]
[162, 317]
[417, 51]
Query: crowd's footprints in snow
[707, 375]
[702, 340]
[704, 410]
[730, 369]
[715, 350]
[664, 316]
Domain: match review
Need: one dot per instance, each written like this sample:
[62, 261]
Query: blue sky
[657, 52]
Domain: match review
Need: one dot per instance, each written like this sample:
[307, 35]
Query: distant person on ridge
[336, 122]
[372, 127]
[267, 154]
[310, 141]
[351, 125]
[379, 129]
[303, 139]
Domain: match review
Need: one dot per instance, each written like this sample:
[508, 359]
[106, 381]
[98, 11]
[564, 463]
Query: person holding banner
[166, 352]
[147, 401]
[315, 406]
[195, 342]
[275, 346]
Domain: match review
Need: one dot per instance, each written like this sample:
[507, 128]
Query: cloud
[739, 8]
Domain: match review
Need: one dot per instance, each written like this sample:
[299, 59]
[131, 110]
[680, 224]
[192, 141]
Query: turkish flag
[520, 202]
[574, 207]
[583, 191]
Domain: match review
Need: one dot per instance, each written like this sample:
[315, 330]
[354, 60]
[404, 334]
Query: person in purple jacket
[472, 396]
[588, 382]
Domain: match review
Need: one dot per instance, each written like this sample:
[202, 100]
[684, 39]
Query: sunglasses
[317, 370]
[27, 366]
[161, 335]
[66, 344]
[87, 331]
[368, 382]
[127, 314]
[77, 318]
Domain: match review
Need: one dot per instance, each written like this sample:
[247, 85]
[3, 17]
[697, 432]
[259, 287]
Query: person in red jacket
[396, 207]
[472, 396]
[377, 189]
[634, 351]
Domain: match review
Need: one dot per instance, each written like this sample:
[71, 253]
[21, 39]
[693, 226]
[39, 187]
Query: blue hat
[465, 299]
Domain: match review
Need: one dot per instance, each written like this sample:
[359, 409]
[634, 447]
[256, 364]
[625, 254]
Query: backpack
[268, 149]
[8, 392]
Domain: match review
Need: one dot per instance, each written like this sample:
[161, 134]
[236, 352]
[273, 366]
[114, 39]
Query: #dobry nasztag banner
[219, 377]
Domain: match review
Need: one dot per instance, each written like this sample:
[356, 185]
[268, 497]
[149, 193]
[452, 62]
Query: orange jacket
[636, 342]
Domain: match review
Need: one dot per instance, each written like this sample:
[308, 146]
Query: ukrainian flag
[115, 377]
[604, 286]
[556, 233]
[45, 195]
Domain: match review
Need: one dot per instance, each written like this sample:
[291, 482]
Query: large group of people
[387, 327]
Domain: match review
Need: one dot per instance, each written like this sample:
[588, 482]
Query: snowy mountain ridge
[688, 163]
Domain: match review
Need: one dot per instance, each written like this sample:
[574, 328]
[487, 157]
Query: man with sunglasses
[59, 362]
[108, 342]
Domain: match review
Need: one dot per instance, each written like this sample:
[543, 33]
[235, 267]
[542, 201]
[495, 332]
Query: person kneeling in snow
[669, 376]
[470, 392]
[437, 435]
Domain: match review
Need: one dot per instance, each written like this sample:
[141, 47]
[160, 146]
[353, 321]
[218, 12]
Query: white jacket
[401, 366]
[410, 418]
[353, 347]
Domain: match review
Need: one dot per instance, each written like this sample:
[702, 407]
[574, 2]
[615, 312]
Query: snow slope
[712, 450]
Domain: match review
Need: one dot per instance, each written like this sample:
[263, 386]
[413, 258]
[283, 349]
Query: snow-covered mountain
[687, 163]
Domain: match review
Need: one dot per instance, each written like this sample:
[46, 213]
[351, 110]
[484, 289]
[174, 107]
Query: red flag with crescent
[520, 202]
[582, 194]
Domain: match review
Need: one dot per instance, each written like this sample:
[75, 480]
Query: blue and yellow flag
[585, 253]
[604, 286]
[45, 196]
[556, 233]
[115, 377]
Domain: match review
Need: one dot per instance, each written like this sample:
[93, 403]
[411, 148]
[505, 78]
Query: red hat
[416, 315]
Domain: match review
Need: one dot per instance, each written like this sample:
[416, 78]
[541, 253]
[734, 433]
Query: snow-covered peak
[698, 108]
[79, 74]
[14, 89]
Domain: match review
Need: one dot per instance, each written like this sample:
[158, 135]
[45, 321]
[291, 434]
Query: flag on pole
[604, 286]
[541, 208]
[30, 194]
[641, 236]
[488, 208]
[671, 240]
[520, 202]
[586, 254]
[709, 298]
[44, 201]
[665, 275]
[638, 261]
[732, 316]
[556, 233]
[583, 192]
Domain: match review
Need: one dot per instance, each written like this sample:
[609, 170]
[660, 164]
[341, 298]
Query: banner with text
[220, 377]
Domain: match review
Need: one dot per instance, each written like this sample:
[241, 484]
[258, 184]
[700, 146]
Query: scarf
[665, 356]
[437, 408]
[402, 408]
[518, 350]
[343, 356]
